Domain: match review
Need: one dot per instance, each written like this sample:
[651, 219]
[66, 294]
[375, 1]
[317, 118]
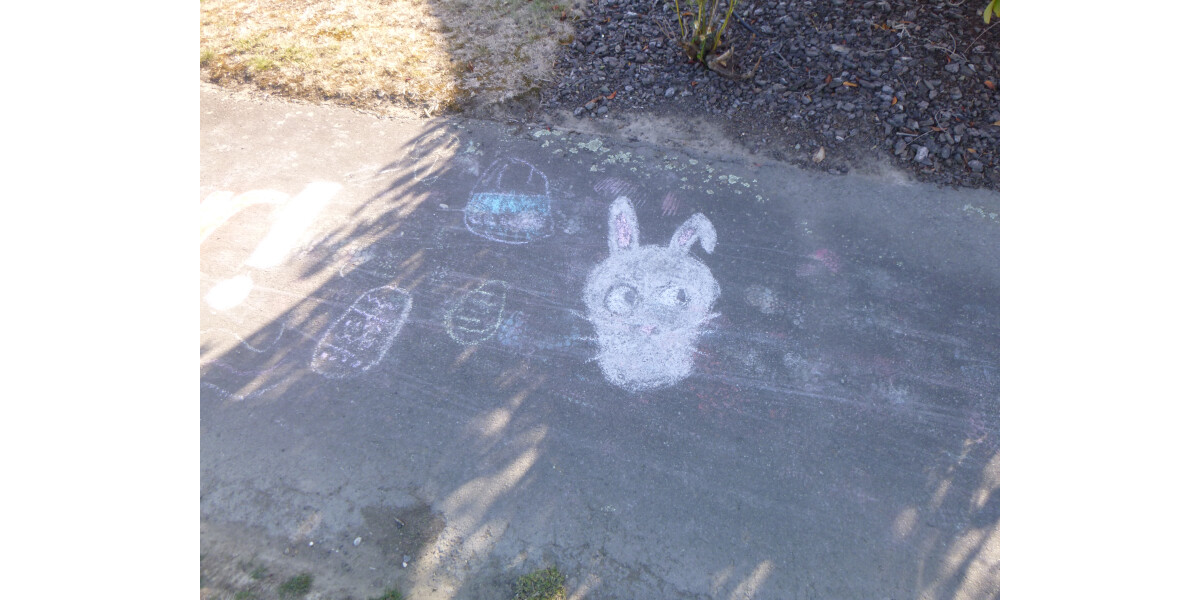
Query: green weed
[390, 595]
[544, 584]
[993, 7]
[701, 33]
[296, 586]
[261, 63]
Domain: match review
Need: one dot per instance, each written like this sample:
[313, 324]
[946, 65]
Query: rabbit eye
[673, 296]
[621, 299]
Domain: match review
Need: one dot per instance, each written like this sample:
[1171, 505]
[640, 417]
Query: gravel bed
[914, 83]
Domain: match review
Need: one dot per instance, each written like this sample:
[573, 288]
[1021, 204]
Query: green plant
[261, 63]
[544, 584]
[993, 7]
[701, 35]
[296, 586]
[391, 594]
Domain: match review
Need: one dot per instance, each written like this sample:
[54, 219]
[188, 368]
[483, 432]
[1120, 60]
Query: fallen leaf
[612, 95]
[819, 155]
[828, 78]
[849, 84]
[936, 128]
[972, 151]
[997, 123]
[894, 100]
[988, 83]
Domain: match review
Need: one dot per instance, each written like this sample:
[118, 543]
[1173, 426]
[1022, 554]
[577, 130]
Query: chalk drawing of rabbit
[647, 303]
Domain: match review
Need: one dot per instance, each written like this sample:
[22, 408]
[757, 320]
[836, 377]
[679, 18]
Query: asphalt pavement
[436, 355]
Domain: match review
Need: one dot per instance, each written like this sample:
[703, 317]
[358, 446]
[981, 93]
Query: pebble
[670, 92]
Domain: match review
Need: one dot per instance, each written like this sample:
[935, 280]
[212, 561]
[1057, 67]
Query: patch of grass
[248, 44]
[391, 594]
[296, 586]
[256, 571]
[260, 63]
[245, 595]
[429, 55]
[543, 584]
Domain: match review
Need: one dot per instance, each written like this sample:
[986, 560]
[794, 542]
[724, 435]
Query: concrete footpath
[436, 355]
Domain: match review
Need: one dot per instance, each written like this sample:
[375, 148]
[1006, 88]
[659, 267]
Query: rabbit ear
[696, 227]
[622, 226]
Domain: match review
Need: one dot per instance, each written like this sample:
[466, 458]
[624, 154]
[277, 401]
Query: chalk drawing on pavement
[218, 207]
[510, 203]
[647, 303]
[360, 338]
[615, 187]
[476, 314]
[821, 261]
[290, 221]
[670, 204]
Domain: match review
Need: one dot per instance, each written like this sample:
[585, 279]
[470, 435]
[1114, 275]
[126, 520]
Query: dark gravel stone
[796, 98]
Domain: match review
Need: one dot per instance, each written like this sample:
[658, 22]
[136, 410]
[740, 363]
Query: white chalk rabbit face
[648, 303]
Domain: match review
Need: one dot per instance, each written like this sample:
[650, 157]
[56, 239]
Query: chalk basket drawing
[476, 315]
[510, 203]
[647, 303]
[360, 338]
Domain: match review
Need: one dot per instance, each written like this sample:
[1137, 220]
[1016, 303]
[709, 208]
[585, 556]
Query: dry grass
[432, 55]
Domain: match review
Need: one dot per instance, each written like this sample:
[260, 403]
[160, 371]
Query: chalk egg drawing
[360, 338]
[476, 315]
[647, 303]
[510, 203]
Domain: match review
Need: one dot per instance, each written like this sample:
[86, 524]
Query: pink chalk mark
[670, 204]
[828, 258]
[624, 233]
[686, 235]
